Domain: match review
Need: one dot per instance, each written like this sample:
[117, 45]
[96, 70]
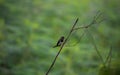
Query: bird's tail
[55, 46]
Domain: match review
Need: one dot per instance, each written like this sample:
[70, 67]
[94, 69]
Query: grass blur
[30, 28]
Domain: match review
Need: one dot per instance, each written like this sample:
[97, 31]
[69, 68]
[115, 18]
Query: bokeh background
[30, 28]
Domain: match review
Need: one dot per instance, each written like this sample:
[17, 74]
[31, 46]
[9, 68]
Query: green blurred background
[30, 28]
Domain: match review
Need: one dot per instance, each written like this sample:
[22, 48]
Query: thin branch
[79, 39]
[61, 47]
[94, 44]
[108, 59]
[94, 21]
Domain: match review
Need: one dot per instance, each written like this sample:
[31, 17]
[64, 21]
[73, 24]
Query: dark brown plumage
[59, 43]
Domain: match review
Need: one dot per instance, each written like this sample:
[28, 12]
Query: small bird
[59, 43]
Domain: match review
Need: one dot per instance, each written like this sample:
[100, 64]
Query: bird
[60, 41]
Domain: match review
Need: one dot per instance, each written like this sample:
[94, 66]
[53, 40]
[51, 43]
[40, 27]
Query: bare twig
[62, 47]
[94, 21]
[94, 44]
[82, 27]
[108, 59]
[79, 39]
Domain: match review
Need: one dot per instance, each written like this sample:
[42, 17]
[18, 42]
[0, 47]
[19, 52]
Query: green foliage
[30, 28]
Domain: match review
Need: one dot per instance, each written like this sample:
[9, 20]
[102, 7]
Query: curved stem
[93, 42]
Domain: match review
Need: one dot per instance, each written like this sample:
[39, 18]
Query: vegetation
[30, 28]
